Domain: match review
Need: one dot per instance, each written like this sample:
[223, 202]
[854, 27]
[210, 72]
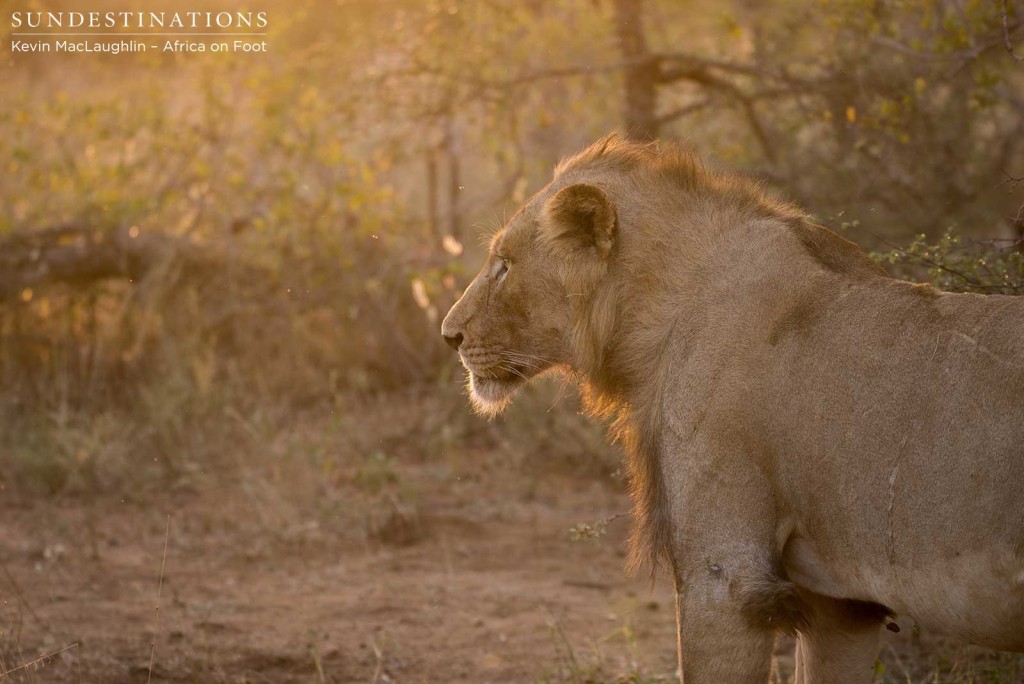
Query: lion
[813, 447]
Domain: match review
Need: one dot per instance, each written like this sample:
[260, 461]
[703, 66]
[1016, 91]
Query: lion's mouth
[491, 388]
[496, 373]
[492, 393]
[488, 367]
[502, 373]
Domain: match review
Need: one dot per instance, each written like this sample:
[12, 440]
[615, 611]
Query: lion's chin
[491, 395]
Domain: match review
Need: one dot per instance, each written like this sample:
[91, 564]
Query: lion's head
[631, 258]
[516, 319]
[589, 275]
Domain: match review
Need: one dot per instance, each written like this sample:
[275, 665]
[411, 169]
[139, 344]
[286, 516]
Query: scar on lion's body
[890, 546]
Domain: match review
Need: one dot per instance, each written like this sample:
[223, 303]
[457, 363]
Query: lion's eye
[502, 270]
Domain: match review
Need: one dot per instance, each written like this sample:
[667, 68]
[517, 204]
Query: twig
[378, 653]
[420, 68]
[587, 584]
[317, 663]
[711, 63]
[19, 593]
[41, 660]
[925, 261]
[683, 111]
[594, 530]
[159, 592]
[703, 77]
[1000, 244]
[1011, 180]
[1006, 33]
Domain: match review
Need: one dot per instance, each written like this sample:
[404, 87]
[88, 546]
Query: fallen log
[77, 254]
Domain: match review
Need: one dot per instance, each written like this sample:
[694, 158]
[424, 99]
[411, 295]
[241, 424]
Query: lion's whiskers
[531, 360]
[508, 368]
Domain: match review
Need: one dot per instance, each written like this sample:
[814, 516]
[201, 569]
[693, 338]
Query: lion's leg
[840, 642]
[730, 599]
[717, 642]
[723, 537]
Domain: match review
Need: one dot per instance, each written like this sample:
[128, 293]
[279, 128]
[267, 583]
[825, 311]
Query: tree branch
[703, 77]
[685, 110]
[1006, 32]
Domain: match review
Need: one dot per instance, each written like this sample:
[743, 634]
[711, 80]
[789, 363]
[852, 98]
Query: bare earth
[271, 579]
[480, 592]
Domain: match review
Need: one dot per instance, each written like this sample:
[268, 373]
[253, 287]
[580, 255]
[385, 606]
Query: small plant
[396, 521]
[592, 531]
[572, 667]
[956, 264]
[377, 472]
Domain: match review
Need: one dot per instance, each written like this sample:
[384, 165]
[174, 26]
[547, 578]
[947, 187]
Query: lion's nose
[454, 341]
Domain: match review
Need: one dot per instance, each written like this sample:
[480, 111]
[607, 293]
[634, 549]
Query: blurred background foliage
[185, 238]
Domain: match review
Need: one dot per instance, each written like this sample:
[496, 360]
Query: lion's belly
[975, 596]
[912, 498]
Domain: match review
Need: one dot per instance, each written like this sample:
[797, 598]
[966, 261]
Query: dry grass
[389, 476]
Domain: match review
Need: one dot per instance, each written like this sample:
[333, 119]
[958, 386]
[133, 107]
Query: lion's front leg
[717, 642]
[730, 598]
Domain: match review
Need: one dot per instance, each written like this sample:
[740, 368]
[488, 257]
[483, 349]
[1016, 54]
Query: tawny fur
[810, 443]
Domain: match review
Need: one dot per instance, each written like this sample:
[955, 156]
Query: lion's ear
[581, 217]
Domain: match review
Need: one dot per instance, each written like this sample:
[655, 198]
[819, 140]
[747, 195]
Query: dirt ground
[478, 581]
[486, 592]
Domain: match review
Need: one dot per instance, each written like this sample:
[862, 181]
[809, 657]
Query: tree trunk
[640, 77]
[450, 146]
[433, 221]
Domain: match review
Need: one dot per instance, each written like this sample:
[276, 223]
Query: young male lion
[811, 444]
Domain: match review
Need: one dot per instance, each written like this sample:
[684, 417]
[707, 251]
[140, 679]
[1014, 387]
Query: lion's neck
[671, 281]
